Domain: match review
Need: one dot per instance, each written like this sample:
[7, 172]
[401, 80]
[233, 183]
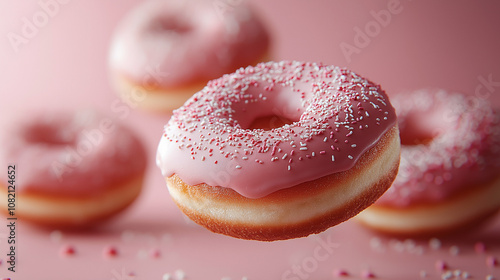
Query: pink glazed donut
[73, 168]
[164, 51]
[334, 152]
[448, 178]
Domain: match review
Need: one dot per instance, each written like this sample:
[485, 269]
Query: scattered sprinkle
[479, 247]
[366, 274]
[491, 261]
[454, 250]
[434, 243]
[56, 236]
[110, 252]
[155, 253]
[340, 273]
[441, 265]
[180, 274]
[67, 251]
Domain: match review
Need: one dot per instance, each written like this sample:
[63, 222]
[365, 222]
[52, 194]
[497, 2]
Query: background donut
[70, 169]
[448, 178]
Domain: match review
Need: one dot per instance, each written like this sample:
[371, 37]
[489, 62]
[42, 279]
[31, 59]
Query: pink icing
[72, 153]
[463, 152]
[337, 116]
[172, 43]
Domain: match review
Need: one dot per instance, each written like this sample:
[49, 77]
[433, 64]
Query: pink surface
[402, 45]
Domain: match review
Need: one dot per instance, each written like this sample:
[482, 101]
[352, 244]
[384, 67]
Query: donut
[74, 168]
[448, 178]
[164, 51]
[329, 148]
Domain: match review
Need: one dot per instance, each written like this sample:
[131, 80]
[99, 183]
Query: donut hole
[48, 135]
[259, 110]
[414, 132]
[269, 122]
[410, 138]
[171, 26]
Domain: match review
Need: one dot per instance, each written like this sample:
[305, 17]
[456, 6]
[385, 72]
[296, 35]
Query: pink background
[447, 44]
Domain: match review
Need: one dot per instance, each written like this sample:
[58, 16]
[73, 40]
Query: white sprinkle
[313, 154]
[179, 274]
[350, 157]
[289, 168]
[238, 166]
[303, 144]
[353, 145]
[325, 139]
[303, 148]
[202, 158]
[454, 250]
[447, 275]
[434, 243]
[376, 243]
[333, 158]
[56, 236]
[245, 158]
[284, 156]
[274, 159]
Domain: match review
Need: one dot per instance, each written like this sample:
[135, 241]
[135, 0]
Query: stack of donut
[448, 178]
[335, 152]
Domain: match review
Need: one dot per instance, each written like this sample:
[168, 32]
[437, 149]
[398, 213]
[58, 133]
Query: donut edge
[389, 143]
[445, 218]
[70, 211]
[153, 97]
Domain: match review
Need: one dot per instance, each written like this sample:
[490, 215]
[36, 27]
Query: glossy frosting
[171, 43]
[451, 142]
[62, 153]
[337, 115]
